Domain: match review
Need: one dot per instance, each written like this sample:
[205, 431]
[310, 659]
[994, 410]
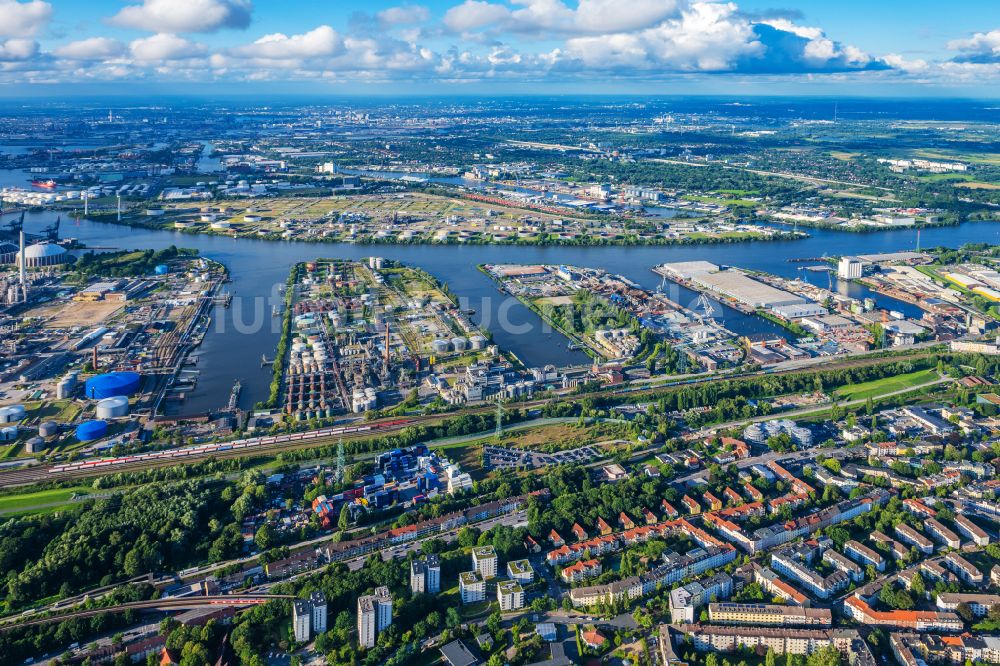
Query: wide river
[241, 334]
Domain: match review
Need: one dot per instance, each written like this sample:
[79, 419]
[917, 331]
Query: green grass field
[41, 498]
[879, 387]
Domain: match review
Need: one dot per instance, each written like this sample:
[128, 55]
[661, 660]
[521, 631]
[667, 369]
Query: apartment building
[914, 538]
[942, 534]
[864, 555]
[965, 570]
[484, 561]
[521, 571]
[374, 616]
[769, 615]
[510, 595]
[685, 601]
[980, 604]
[859, 609]
[581, 571]
[971, 531]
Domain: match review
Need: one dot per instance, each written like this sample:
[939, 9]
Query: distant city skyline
[745, 47]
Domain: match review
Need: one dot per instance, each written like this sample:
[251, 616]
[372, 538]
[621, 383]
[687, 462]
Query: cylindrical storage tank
[477, 342]
[11, 413]
[64, 388]
[252, 219]
[112, 384]
[460, 344]
[91, 430]
[440, 346]
[48, 429]
[8, 434]
[112, 408]
[154, 212]
[34, 445]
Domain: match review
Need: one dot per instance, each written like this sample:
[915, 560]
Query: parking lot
[499, 457]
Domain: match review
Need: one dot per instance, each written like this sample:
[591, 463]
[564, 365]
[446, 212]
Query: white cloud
[323, 41]
[94, 48]
[716, 37]
[898, 62]
[404, 15]
[543, 18]
[23, 19]
[173, 16]
[706, 37]
[473, 15]
[611, 16]
[982, 47]
[163, 47]
[18, 49]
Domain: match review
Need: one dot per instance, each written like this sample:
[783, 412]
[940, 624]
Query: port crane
[705, 307]
[52, 231]
[16, 226]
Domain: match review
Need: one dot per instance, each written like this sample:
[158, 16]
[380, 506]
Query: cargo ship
[46, 184]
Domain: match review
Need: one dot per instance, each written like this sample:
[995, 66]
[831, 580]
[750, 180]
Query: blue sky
[877, 47]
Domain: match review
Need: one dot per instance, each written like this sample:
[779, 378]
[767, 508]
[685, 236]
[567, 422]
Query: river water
[243, 333]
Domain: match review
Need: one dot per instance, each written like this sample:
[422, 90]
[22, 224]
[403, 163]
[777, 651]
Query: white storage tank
[64, 388]
[220, 225]
[477, 342]
[8, 434]
[440, 346]
[460, 344]
[112, 408]
[48, 429]
[34, 445]
[11, 413]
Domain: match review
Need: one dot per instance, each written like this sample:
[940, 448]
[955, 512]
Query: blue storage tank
[161, 269]
[112, 384]
[91, 430]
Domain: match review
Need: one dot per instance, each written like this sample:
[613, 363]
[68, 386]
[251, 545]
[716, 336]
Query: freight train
[219, 447]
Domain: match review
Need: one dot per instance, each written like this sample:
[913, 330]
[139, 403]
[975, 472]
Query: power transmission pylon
[498, 433]
[338, 470]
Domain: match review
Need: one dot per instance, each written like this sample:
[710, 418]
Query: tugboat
[44, 184]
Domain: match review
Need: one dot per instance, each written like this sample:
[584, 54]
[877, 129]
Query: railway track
[182, 603]
[41, 473]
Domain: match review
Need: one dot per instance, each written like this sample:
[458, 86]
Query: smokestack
[22, 259]
[386, 345]
[95, 358]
